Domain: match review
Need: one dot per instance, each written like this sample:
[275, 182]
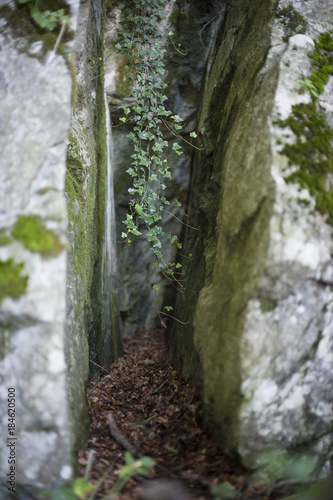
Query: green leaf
[81, 487]
[148, 462]
[168, 308]
[155, 287]
[193, 134]
[177, 203]
[129, 459]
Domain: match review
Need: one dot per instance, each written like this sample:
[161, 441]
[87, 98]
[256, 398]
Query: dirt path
[161, 417]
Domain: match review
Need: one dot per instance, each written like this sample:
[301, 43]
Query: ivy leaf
[177, 203]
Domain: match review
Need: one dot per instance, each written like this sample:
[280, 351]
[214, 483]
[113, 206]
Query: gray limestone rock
[259, 306]
[35, 91]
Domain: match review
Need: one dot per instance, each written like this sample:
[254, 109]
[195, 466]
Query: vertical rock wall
[259, 293]
[35, 89]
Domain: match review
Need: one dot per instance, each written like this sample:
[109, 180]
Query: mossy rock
[312, 150]
[12, 283]
[31, 231]
[294, 23]
[322, 59]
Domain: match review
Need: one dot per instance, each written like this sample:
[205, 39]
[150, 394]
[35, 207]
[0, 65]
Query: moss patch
[12, 282]
[293, 22]
[267, 305]
[31, 231]
[4, 238]
[20, 25]
[322, 59]
[312, 151]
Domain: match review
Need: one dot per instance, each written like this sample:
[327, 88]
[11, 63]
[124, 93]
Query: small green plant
[79, 491]
[306, 84]
[43, 17]
[131, 468]
[312, 150]
[31, 231]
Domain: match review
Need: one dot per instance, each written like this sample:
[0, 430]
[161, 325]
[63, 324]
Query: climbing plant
[142, 46]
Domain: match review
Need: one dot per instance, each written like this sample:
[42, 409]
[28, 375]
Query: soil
[158, 415]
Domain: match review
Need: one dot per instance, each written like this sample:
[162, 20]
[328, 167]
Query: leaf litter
[158, 415]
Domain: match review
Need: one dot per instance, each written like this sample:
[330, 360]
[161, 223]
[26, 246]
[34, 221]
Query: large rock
[36, 87]
[259, 294]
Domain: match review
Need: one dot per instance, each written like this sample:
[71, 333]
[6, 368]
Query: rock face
[259, 292]
[36, 87]
[52, 304]
[194, 26]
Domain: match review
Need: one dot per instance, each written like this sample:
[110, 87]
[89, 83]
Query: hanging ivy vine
[149, 168]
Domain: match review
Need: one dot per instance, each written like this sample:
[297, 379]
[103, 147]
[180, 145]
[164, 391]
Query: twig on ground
[119, 438]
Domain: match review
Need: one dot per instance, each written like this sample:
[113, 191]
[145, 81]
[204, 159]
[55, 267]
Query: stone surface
[259, 294]
[35, 113]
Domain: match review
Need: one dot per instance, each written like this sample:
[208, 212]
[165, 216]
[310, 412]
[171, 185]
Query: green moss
[322, 59]
[12, 282]
[31, 231]
[267, 305]
[4, 238]
[46, 190]
[312, 150]
[293, 22]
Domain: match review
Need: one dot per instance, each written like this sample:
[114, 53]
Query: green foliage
[31, 231]
[223, 491]
[44, 18]
[131, 468]
[150, 119]
[12, 282]
[312, 150]
[79, 491]
[293, 22]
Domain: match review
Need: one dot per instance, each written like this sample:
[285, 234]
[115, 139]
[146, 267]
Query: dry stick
[107, 371]
[119, 438]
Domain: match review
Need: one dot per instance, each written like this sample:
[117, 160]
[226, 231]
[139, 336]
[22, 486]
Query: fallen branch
[119, 438]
